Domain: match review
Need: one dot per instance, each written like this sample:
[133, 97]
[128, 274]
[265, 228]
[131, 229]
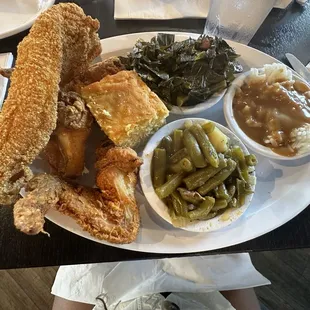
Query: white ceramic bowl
[233, 125]
[158, 205]
[200, 107]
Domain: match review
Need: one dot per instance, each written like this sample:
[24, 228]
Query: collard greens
[186, 72]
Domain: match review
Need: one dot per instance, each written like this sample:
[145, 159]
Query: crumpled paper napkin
[121, 282]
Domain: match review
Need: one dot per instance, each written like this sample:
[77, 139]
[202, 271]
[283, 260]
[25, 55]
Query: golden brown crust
[125, 108]
[65, 151]
[95, 73]
[60, 45]
[109, 213]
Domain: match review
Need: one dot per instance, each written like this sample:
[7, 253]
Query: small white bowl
[233, 125]
[158, 205]
[200, 107]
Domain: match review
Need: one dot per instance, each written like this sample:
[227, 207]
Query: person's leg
[242, 299]
[64, 304]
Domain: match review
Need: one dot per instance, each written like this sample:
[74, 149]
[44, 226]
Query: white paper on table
[168, 9]
[6, 61]
[128, 280]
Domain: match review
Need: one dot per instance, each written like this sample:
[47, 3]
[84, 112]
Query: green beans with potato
[199, 174]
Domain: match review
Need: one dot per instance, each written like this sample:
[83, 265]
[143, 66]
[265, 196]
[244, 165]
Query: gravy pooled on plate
[269, 110]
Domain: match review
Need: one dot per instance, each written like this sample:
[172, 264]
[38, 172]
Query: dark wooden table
[283, 31]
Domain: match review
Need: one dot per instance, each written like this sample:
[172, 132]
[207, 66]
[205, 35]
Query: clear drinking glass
[237, 20]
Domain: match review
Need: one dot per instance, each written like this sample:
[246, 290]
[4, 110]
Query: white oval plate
[159, 206]
[282, 188]
[18, 15]
[233, 125]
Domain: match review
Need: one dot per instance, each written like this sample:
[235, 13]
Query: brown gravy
[268, 113]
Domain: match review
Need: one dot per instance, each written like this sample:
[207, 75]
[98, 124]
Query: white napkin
[167, 9]
[129, 280]
[6, 61]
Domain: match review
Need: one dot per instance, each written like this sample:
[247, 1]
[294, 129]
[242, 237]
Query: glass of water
[236, 20]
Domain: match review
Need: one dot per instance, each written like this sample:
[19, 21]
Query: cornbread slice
[125, 108]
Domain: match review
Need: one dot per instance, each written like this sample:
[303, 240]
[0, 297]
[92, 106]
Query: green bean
[188, 124]
[209, 216]
[238, 156]
[218, 178]
[206, 146]
[221, 192]
[179, 204]
[178, 156]
[190, 196]
[208, 127]
[233, 203]
[203, 210]
[193, 149]
[240, 192]
[170, 186]
[231, 189]
[200, 177]
[177, 140]
[167, 144]
[183, 165]
[251, 160]
[159, 167]
[220, 204]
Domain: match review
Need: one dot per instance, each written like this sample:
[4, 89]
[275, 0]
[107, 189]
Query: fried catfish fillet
[61, 45]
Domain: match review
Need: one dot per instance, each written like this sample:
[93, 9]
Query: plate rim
[27, 24]
[151, 248]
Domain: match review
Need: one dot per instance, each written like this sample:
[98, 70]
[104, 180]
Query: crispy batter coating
[61, 44]
[109, 213]
[95, 73]
[65, 151]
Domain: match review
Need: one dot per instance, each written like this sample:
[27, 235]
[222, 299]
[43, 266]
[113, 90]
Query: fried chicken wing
[95, 73]
[108, 213]
[61, 44]
[65, 151]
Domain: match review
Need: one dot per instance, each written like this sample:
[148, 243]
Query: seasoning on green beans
[183, 165]
[179, 204]
[159, 167]
[251, 160]
[220, 204]
[238, 156]
[206, 147]
[178, 156]
[193, 149]
[221, 192]
[190, 196]
[200, 177]
[203, 210]
[208, 127]
[218, 178]
[177, 139]
[170, 186]
[167, 144]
